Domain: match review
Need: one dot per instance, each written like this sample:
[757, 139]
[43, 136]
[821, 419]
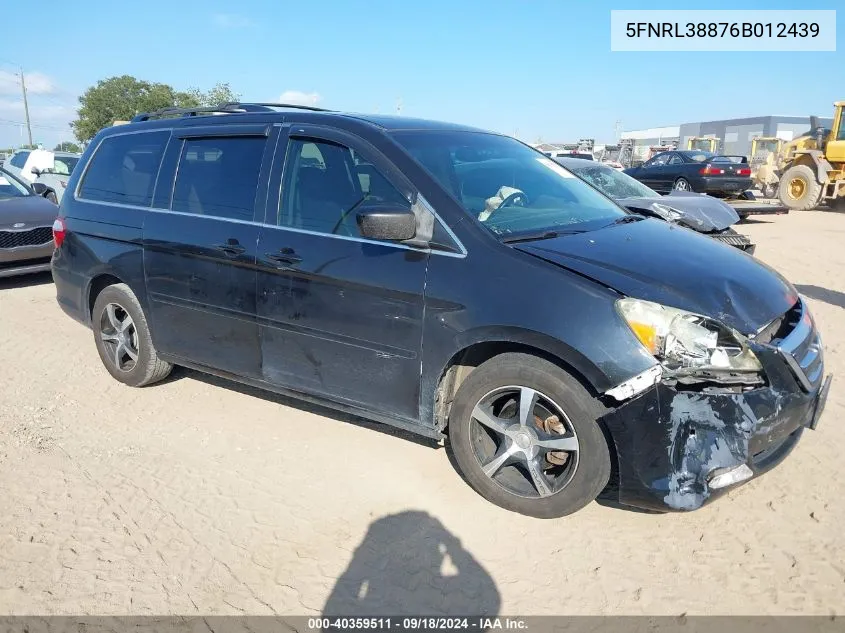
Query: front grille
[794, 335]
[734, 239]
[33, 237]
[781, 326]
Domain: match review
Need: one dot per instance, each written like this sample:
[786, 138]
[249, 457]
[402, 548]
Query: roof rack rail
[223, 108]
[268, 104]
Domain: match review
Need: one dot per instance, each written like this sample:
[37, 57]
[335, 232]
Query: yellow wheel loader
[765, 153]
[704, 144]
[813, 166]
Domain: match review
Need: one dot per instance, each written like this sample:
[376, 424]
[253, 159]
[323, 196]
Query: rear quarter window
[124, 169]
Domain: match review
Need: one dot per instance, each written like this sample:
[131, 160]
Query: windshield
[613, 183]
[10, 187]
[63, 165]
[507, 186]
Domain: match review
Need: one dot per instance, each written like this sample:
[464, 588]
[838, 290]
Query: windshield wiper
[627, 219]
[541, 235]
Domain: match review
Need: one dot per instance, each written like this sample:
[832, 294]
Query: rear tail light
[709, 170]
[59, 232]
[744, 171]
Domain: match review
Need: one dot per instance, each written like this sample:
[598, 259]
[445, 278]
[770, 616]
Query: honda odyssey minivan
[445, 280]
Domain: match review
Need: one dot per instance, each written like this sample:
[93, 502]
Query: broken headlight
[683, 340]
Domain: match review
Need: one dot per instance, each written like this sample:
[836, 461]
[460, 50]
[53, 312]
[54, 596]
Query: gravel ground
[197, 496]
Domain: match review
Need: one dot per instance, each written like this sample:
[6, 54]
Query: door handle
[284, 256]
[231, 248]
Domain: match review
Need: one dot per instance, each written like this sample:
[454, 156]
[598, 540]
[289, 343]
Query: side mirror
[386, 222]
[40, 189]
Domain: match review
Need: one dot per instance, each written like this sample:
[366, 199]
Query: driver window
[658, 160]
[675, 160]
[324, 183]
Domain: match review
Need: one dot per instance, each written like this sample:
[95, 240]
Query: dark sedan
[693, 170]
[702, 213]
[26, 228]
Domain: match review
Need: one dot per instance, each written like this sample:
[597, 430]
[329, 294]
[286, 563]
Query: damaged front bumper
[679, 446]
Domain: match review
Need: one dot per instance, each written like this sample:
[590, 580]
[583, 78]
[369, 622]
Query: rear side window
[219, 176]
[124, 169]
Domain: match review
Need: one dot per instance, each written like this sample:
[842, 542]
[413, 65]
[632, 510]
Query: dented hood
[705, 214]
[674, 266]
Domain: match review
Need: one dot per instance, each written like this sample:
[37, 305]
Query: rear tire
[798, 189]
[560, 488]
[122, 337]
[682, 184]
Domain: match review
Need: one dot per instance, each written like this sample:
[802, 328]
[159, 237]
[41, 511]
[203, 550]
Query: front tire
[122, 337]
[525, 436]
[799, 190]
[682, 184]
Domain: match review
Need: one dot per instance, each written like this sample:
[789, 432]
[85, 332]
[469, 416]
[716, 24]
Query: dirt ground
[200, 496]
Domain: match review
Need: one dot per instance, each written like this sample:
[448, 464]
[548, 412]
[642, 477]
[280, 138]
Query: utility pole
[26, 108]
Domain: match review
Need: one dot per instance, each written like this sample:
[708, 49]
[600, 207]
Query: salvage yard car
[26, 222]
[693, 170]
[445, 280]
[696, 211]
[54, 179]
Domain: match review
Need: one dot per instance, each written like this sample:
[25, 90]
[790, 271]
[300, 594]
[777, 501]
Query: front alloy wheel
[524, 442]
[525, 434]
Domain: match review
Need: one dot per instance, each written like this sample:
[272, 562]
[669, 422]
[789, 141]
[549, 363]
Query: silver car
[56, 177]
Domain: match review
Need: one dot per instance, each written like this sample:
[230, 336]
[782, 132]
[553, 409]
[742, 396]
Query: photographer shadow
[409, 564]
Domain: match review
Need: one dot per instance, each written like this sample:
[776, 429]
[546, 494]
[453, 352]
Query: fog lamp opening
[723, 477]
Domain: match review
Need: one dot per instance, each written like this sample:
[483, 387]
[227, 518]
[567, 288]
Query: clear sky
[536, 69]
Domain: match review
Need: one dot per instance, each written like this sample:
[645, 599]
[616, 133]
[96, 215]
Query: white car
[56, 176]
[23, 161]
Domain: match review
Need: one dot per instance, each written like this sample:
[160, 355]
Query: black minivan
[446, 280]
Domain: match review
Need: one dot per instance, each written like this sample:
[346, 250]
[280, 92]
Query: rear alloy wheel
[123, 338]
[682, 184]
[525, 436]
[799, 190]
[120, 337]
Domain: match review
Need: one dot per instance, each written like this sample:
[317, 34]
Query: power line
[35, 125]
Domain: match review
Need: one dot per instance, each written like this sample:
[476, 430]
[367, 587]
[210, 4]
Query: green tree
[220, 93]
[121, 98]
[68, 146]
